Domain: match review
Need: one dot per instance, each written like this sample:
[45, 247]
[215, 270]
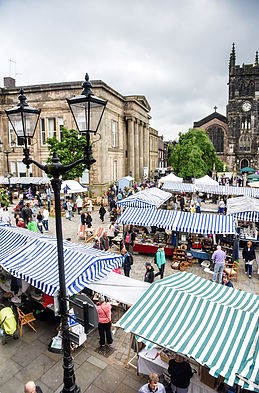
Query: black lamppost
[87, 111]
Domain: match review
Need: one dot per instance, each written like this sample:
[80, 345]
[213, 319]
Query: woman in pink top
[104, 325]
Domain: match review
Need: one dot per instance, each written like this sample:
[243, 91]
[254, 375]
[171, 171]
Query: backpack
[128, 238]
[131, 259]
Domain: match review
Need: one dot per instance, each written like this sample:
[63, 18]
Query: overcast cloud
[174, 52]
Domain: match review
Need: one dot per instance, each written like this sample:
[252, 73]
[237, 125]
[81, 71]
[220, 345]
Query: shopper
[30, 387]
[226, 281]
[249, 257]
[153, 385]
[218, 257]
[180, 372]
[160, 261]
[104, 321]
[127, 262]
[149, 275]
[102, 212]
[45, 221]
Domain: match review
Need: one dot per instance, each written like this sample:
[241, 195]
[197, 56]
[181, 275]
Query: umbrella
[247, 169]
[253, 177]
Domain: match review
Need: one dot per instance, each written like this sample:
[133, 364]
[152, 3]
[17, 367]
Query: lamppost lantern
[23, 118]
[87, 109]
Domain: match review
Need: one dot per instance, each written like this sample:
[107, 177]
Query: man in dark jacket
[149, 275]
[249, 256]
[128, 260]
[180, 372]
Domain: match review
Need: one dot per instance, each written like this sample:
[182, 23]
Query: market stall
[150, 197]
[211, 189]
[33, 257]
[246, 211]
[214, 325]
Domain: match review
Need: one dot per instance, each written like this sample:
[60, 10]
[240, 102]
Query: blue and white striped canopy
[151, 197]
[180, 221]
[217, 326]
[212, 189]
[33, 257]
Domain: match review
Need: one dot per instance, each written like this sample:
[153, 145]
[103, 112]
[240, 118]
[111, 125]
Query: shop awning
[179, 221]
[151, 197]
[24, 180]
[116, 286]
[216, 325]
[71, 187]
[212, 189]
[244, 208]
[33, 257]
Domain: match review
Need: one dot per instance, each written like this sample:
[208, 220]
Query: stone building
[236, 136]
[127, 145]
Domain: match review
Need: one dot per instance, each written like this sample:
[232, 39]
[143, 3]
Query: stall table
[199, 254]
[149, 361]
[149, 248]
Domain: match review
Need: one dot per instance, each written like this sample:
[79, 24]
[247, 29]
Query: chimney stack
[9, 82]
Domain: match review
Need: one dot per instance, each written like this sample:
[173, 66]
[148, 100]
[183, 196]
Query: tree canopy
[69, 149]
[194, 155]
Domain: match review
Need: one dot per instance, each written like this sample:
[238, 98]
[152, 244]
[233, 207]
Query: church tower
[242, 147]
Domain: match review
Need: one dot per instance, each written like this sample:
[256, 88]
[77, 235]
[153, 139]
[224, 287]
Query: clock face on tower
[246, 106]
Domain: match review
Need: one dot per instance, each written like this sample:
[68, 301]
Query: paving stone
[111, 379]
[97, 362]
[11, 386]
[8, 370]
[86, 374]
[28, 353]
[36, 368]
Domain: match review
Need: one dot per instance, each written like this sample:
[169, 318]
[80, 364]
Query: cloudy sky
[174, 52]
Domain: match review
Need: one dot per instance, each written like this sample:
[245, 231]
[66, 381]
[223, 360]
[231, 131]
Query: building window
[42, 132]
[114, 134]
[244, 143]
[19, 141]
[216, 135]
[115, 170]
[60, 127]
[52, 130]
[23, 171]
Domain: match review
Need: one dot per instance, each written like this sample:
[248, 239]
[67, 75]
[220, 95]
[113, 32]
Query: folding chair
[25, 319]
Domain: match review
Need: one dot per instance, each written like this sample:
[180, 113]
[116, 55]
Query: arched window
[244, 163]
[216, 135]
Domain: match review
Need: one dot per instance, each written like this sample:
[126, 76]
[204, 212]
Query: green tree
[69, 149]
[4, 200]
[194, 155]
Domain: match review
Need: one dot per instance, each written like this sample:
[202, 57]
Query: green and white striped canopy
[213, 324]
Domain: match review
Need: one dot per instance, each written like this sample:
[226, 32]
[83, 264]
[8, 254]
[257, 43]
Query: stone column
[130, 146]
[136, 149]
[146, 147]
[141, 150]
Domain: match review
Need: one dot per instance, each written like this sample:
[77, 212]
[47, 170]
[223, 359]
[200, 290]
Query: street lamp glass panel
[23, 123]
[87, 112]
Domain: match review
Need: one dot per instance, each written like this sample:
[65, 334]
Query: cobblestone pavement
[29, 358]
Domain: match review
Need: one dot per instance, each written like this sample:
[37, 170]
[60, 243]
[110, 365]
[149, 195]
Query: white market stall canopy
[116, 286]
[33, 257]
[170, 178]
[151, 197]
[215, 325]
[244, 208]
[211, 189]
[24, 180]
[71, 187]
[180, 221]
[206, 180]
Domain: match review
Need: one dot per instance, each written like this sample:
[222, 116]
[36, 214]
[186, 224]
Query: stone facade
[127, 143]
[236, 136]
